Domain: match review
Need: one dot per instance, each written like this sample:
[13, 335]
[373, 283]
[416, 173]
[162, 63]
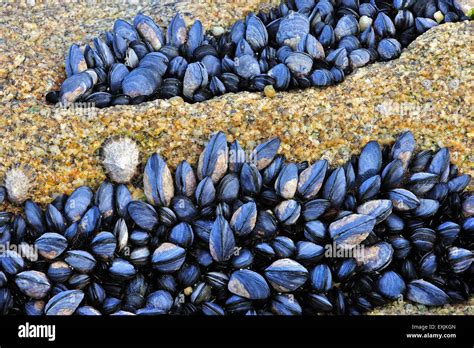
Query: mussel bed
[298, 44]
[248, 233]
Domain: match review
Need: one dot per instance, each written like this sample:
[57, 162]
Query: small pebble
[269, 91]
[218, 31]
[438, 16]
[365, 22]
[176, 100]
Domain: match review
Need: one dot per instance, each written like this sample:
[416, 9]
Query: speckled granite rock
[428, 90]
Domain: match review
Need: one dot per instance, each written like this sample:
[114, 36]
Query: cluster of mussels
[298, 44]
[248, 235]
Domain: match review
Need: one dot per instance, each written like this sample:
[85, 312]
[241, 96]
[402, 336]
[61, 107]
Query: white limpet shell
[120, 159]
[18, 182]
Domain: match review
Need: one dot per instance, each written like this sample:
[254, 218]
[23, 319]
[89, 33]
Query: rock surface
[428, 91]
